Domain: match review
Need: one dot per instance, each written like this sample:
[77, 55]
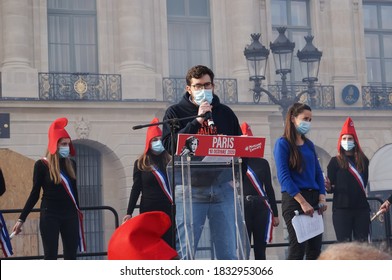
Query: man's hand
[203, 108]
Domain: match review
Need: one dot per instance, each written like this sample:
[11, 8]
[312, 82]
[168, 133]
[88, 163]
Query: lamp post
[282, 49]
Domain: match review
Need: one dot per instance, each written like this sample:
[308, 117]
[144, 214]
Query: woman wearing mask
[347, 178]
[150, 179]
[301, 178]
[60, 214]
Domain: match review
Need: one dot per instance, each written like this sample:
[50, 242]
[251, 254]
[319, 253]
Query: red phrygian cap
[139, 238]
[246, 130]
[348, 128]
[55, 133]
[152, 131]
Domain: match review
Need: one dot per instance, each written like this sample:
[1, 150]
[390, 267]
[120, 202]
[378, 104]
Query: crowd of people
[165, 229]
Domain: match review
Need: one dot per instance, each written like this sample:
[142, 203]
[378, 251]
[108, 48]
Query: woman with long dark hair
[301, 178]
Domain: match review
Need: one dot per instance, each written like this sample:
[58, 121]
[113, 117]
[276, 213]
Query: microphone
[137, 127]
[208, 117]
[376, 215]
[12, 234]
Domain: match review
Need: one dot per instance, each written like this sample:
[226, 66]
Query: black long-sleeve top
[146, 184]
[347, 192]
[54, 197]
[262, 169]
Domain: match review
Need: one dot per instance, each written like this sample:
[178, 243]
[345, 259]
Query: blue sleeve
[282, 155]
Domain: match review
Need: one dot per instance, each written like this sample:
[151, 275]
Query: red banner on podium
[220, 145]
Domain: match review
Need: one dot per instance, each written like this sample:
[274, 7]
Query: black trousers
[256, 219]
[351, 224]
[52, 225]
[311, 248]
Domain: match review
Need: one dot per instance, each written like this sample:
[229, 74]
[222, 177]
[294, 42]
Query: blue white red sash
[5, 242]
[357, 176]
[67, 186]
[163, 183]
[258, 185]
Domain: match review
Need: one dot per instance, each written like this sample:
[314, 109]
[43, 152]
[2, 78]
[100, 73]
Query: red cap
[246, 129]
[55, 133]
[139, 238]
[152, 131]
[348, 128]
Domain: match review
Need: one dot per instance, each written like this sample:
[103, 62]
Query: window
[189, 35]
[72, 36]
[378, 41]
[295, 16]
[88, 164]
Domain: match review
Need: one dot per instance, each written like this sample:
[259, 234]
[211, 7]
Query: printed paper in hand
[307, 227]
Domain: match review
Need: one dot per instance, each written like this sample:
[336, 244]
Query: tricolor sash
[258, 185]
[357, 176]
[163, 183]
[67, 186]
[5, 241]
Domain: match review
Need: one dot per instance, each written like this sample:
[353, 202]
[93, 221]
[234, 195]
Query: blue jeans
[215, 202]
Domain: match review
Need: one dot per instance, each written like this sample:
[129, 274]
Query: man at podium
[209, 198]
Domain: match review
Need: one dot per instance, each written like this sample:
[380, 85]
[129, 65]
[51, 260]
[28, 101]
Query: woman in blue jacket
[301, 178]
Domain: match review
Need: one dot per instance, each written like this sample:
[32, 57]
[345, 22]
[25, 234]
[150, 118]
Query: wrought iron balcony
[323, 97]
[226, 89]
[377, 96]
[79, 86]
[318, 97]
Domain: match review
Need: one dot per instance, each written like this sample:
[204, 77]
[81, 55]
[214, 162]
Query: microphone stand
[173, 123]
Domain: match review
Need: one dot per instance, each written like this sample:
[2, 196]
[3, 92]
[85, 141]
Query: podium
[209, 220]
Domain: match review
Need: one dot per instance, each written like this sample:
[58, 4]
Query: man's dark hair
[197, 72]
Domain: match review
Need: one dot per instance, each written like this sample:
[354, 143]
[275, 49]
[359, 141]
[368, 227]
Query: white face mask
[347, 145]
[64, 152]
[202, 95]
[157, 147]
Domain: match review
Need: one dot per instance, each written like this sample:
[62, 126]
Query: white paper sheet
[307, 227]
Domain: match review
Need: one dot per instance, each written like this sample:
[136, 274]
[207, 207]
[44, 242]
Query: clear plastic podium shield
[210, 221]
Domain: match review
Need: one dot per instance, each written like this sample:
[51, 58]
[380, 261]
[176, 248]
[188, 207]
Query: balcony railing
[377, 97]
[226, 89]
[322, 98]
[79, 86]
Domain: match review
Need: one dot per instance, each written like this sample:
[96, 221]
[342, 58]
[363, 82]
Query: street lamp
[282, 49]
[309, 58]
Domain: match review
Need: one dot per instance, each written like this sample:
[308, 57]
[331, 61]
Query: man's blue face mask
[202, 95]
